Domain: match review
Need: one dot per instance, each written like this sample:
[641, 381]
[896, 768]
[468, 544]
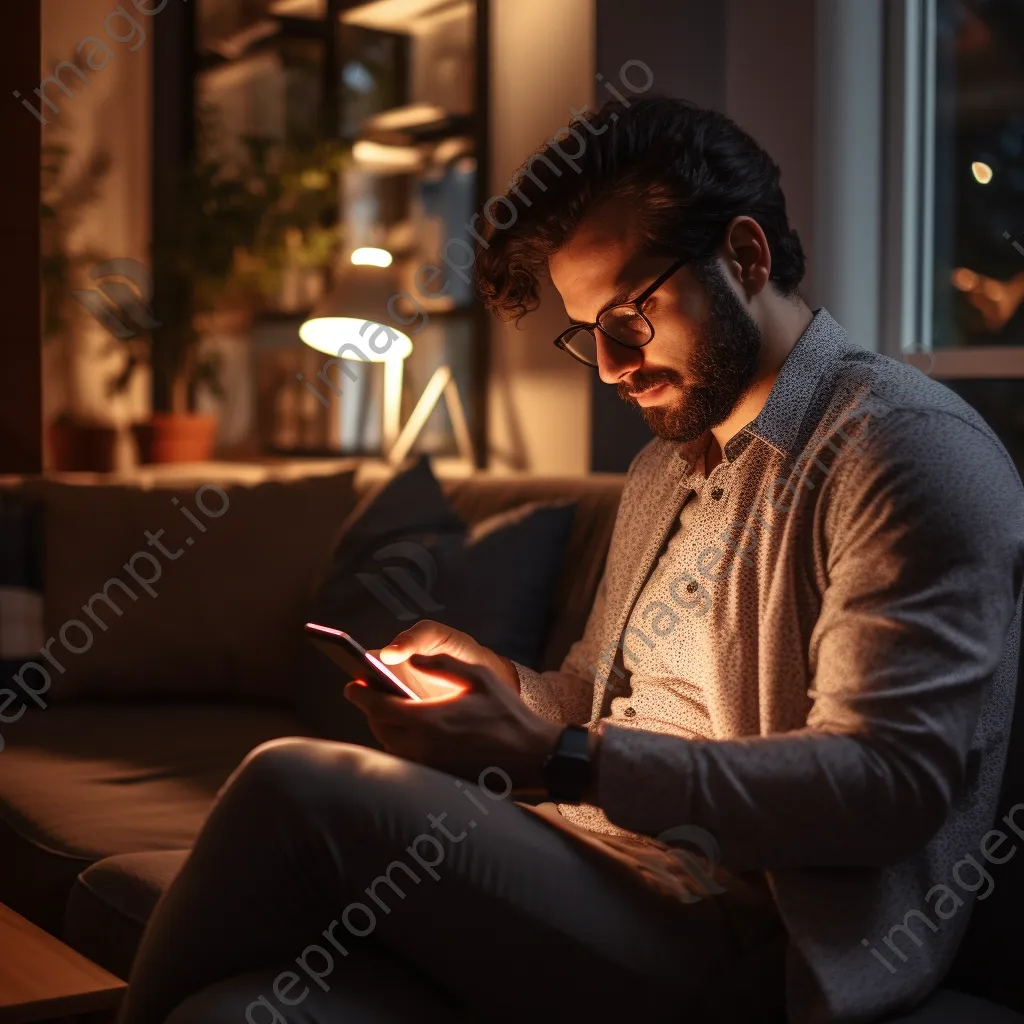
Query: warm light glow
[982, 172]
[368, 256]
[410, 116]
[316, 9]
[410, 16]
[964, 279]
[352, 338]
[376, 156]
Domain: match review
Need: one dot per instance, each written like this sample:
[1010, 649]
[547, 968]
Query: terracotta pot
[83, 447]
[176, 437]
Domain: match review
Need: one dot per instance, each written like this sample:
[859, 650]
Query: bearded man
[800, 664]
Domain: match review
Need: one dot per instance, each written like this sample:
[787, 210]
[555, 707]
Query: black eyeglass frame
[562, 340]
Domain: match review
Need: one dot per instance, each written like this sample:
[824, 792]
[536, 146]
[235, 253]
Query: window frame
[908, 297]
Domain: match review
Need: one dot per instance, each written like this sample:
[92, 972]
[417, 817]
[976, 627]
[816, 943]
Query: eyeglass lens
[623, 323]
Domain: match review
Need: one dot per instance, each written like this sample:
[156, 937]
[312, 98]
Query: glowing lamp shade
[356, 338]
[353, 321]
[370, 256]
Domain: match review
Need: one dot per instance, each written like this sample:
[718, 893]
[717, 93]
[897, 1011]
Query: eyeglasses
[624, 323]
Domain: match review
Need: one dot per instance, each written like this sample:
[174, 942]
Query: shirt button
[717, 493]
[630, 712]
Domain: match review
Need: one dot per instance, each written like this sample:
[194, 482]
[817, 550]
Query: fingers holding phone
[427, 685]
[428, 637]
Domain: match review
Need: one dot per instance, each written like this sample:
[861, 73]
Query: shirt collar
[814, 356]
[779, 423]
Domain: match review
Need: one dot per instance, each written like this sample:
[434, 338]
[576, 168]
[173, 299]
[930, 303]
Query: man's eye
[625, 323]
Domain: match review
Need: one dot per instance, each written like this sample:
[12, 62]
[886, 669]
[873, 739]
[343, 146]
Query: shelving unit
[402, 85]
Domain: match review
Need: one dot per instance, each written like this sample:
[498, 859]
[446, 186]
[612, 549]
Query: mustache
[640, 382]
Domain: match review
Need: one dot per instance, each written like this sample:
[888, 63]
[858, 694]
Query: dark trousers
[333, 883]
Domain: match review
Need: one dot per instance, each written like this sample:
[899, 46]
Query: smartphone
[358, 662]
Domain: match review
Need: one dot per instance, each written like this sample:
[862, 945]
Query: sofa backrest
[477, 497]
[184, 591]
[224, 618]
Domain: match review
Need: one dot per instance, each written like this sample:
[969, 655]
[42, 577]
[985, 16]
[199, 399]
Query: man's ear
[747, 255]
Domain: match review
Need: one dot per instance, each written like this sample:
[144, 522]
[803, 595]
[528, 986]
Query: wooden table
[42, 979]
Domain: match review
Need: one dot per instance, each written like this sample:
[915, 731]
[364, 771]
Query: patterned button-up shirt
[826, 659]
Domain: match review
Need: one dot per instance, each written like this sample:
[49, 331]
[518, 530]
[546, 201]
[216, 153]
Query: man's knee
[294, 768]
[312, 777]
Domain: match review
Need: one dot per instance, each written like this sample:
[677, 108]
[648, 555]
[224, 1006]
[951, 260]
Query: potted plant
[223, 241]
[76, 440]
[199, 224]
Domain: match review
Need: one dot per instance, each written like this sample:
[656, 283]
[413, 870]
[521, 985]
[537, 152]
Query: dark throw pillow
[405, 555]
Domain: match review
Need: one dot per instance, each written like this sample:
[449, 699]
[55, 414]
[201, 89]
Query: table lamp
[360, 297]
[352, 322]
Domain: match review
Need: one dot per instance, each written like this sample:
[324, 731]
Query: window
[956, 185]
[979, 181]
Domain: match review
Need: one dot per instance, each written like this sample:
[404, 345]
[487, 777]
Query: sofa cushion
[82, 783]
[198, 604]
[111, 901]
[596, 500]
[406, 554]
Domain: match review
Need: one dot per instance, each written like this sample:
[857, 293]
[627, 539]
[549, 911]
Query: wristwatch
[567, 770]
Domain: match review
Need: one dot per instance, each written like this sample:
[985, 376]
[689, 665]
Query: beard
[722, 366]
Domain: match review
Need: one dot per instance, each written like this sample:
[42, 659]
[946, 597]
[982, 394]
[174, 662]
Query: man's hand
[483, 725]
[429, 637]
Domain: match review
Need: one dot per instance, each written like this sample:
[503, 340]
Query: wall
[110, 113]
[542, 66]
[770, 92]
[805, 77]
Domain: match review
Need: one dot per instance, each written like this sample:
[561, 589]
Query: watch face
[566, 772]
[577, 776]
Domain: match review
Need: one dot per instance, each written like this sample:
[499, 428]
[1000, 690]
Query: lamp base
[441, 384]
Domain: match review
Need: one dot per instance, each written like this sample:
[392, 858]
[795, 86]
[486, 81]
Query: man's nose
[614, 361]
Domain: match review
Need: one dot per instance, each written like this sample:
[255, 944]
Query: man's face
[706, 345]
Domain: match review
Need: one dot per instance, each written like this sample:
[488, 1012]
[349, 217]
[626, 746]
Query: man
[801, 659]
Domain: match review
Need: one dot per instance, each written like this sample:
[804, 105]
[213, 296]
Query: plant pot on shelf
[82, 447]
[176, 437]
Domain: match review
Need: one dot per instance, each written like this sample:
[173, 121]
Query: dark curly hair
[688, 171]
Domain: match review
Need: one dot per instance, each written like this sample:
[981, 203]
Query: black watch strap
[567, 770]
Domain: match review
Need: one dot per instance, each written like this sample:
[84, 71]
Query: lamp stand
[442, 383]
[391, 420]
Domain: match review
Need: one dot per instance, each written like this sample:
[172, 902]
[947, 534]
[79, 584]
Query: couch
[104, 789]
